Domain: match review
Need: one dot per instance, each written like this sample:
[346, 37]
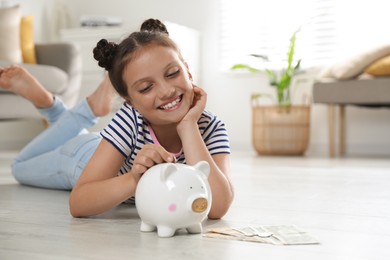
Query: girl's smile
[170, 106]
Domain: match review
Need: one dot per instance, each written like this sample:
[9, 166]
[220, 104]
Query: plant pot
[278, 130]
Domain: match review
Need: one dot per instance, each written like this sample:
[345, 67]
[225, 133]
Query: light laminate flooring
[344, 203]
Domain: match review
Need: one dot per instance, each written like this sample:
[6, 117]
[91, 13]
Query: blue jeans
[56, 157]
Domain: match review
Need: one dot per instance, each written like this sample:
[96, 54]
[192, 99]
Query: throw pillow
[379, 67]
[27, 39]
[10, 34]
[356, 65]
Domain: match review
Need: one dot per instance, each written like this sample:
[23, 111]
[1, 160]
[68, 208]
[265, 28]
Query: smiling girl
[163, 120]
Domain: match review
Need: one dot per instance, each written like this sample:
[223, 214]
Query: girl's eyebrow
[139, 81]
[171, 63]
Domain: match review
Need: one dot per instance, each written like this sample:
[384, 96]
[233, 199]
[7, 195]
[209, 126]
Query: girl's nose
[166, 91]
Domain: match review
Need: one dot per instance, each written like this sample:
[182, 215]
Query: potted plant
[283, 128]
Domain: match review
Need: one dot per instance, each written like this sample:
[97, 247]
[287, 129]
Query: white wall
[367, 130]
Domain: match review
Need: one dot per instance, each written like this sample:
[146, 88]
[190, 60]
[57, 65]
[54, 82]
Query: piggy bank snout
[199, 205]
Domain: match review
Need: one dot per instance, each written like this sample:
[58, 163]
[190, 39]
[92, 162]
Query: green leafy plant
[281, 81]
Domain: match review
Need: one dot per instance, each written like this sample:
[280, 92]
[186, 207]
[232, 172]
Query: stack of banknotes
[270, 234]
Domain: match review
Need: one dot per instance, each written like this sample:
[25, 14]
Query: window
[330, 30]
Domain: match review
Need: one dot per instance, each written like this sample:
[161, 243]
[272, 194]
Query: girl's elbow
[74, 213]
[217, 212]
[214, 216]
[73, 209]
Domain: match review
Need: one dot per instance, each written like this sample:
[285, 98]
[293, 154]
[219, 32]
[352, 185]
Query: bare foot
[101, 100]
[20, 82]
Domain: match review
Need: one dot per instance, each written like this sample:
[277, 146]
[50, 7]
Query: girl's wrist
[186, 127]
[133, 180]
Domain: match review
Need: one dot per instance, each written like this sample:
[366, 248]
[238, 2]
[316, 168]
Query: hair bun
[154, 25]
[104, 53]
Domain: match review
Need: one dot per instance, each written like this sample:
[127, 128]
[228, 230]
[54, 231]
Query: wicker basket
[280, 130]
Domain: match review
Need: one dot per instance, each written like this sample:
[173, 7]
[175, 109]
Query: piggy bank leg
[164, 231]
[147, 228]
[195, 229]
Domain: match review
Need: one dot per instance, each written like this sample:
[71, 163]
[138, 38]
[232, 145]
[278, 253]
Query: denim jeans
[57, 156]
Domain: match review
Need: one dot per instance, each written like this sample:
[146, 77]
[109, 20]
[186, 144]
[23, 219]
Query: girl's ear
[188, 71]
[128, 100]
[190, 76]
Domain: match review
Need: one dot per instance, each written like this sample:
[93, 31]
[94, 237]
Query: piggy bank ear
[203, 167]
[166, 170]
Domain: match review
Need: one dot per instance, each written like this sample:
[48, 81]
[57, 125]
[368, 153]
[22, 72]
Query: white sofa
[58, 68]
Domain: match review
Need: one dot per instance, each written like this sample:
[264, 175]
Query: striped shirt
[129, 131]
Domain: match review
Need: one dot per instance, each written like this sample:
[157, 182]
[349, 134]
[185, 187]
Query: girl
[162, 120]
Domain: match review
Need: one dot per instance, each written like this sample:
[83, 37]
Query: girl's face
[159, 85]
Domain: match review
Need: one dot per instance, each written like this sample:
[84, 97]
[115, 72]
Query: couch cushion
[27, 39]
[10, 34]
[374, 91]
[354, 66]
[52, 78]
[379, 67]
[20, 108]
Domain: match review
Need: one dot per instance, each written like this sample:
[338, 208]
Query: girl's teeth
[172, 104]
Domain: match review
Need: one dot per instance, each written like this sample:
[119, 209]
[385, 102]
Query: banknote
[271, 234]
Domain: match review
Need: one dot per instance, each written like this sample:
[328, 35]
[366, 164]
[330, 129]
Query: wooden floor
[344, 203]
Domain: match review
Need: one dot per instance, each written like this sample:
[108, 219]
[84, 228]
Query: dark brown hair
[114, 57]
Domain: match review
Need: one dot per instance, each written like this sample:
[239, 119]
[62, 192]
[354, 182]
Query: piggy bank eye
[191, 187]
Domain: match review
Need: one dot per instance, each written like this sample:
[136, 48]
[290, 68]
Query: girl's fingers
[153, 154]
[138, 170]
[164, 154]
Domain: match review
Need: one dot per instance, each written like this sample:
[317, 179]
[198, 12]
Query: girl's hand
[149, 155]
[197, 108]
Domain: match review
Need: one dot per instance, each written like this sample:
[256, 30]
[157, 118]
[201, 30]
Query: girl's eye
[171, 75]
[146, 89]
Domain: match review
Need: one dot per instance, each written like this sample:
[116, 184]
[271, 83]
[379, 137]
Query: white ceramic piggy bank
[172, 196]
